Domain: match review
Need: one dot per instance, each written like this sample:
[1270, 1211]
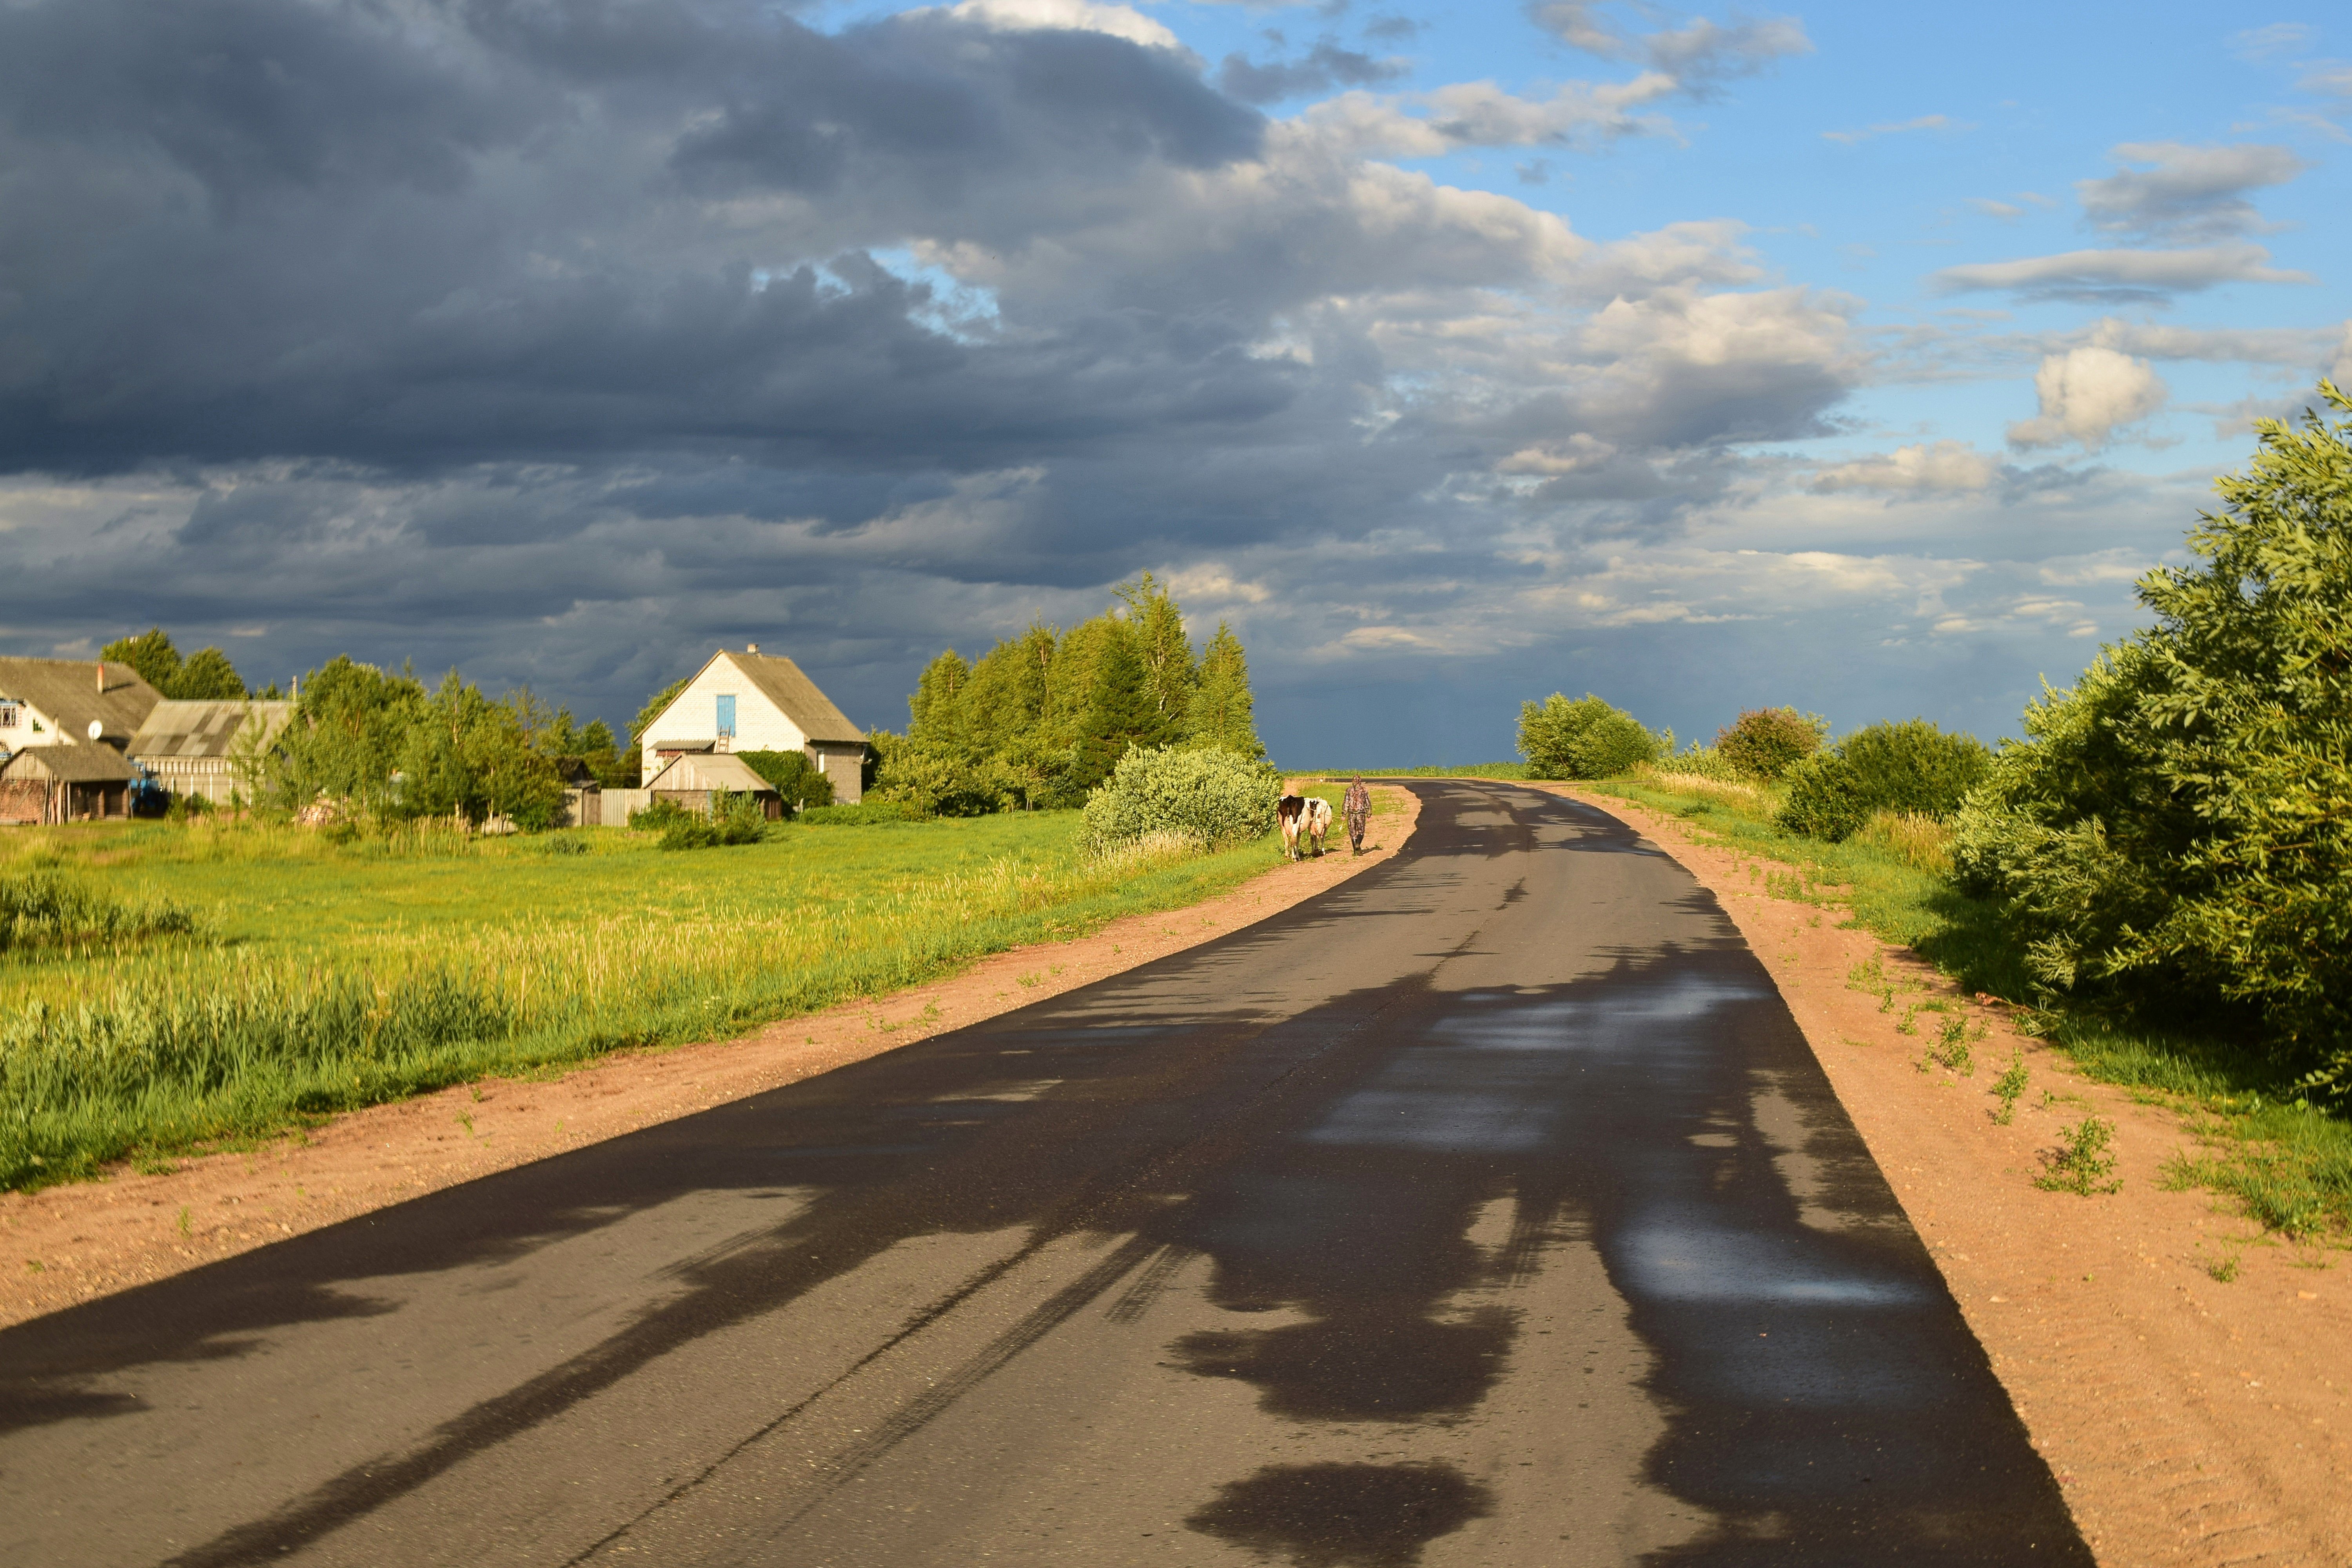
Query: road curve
[1489, 1209]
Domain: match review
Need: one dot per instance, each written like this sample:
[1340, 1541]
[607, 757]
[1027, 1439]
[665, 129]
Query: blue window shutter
[727, 715]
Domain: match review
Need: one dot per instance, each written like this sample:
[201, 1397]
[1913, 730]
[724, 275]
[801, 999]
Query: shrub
[1211, 799]
[1767, 741]
[39, 911]
[1911, 767]
[799, 781]
[864, 814]
[1704, 762]
[2173, 830]
[1586, 738]
[733, 819]
[939, 780]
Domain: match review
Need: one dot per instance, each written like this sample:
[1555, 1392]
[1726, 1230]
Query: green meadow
[167, 986]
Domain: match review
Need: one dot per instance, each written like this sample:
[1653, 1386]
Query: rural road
[1488, 1209]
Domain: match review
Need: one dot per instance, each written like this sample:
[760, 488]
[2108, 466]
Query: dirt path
[69, 1244]
[2189, 1420]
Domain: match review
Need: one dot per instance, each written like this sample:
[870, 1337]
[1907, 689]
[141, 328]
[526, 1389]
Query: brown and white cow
[1303, 815]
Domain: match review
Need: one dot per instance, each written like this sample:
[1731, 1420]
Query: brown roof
[721, 770]
[67, 690]
[74, 765]
[204, 729]
[811, 710]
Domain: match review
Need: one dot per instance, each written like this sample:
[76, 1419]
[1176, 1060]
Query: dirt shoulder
[69, 1244]
[2188, 1420]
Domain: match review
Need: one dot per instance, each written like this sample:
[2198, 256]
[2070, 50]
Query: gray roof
[75, 764]
[204, 729]
[67, 690]
[811, 710]
[719, 769]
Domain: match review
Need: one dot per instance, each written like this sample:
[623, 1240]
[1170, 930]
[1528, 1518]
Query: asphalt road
[1487, 1210]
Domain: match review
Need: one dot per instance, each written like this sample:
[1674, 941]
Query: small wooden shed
[690, 780]
[42, 784]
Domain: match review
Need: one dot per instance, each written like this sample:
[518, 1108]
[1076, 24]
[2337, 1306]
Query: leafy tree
[935, 712]
[1223, 714]
[206, 675]
[349, 728]
[2175, 827]
[797, 780]
[1586, 738]
[1767, 742]
[1009, 693]
[150, 653]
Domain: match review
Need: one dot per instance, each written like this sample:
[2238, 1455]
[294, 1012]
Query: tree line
[1044, 718]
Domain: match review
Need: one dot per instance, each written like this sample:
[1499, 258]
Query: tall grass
[339, 995]
[43, 914]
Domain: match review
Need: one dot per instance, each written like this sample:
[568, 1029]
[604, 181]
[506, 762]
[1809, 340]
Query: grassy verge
[298, 976]
[2286, 1163]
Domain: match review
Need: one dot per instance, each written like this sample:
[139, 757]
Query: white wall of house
[23, 725]
[759, 724]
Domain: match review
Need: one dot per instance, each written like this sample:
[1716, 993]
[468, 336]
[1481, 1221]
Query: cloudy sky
[1856, 358]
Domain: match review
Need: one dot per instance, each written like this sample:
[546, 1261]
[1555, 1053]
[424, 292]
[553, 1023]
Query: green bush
[1211, 799]
[864, 814]
[799, 781]
[1766, 742]
[1911, 767]
[1704, 763]
[2174, 830]
[1586, 738]
[942, 780]
[733, 819]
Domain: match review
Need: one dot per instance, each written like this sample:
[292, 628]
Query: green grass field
[321, 976]
[2286, 1162]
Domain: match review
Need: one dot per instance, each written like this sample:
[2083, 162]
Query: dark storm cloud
[241, 229]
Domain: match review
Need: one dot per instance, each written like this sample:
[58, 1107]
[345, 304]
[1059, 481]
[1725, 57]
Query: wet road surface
[1488, 1209]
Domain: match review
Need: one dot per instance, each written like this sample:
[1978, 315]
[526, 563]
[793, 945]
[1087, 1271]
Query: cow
[1303, 814]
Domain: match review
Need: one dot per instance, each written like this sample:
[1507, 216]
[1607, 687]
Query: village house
[65, 724]
[214, 749]
[689, 781]
[751, 701]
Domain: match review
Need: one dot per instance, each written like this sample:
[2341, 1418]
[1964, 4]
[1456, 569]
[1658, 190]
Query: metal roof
[205, 729]
[67, 692]
[718, 770]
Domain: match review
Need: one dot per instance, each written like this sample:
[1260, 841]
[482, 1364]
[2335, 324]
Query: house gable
[754, 703]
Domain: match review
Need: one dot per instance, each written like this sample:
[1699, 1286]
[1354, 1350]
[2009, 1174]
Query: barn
[212, 749]
[751, 701]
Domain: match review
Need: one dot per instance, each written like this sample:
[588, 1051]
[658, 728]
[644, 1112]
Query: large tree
[2180, 824]
[207, 674]
[1223, 713]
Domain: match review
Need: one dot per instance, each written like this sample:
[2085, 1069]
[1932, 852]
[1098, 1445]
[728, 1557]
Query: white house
[751, 701]
[209, 748]
[55, 702]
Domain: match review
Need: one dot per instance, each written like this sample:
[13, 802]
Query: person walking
[1358, 806]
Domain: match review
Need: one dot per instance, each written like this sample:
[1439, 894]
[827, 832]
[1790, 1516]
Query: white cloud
[2190, 192]
[1081, 15]
[1481, 114]
[2002, 210]
[2278, 38]
[1695, 54]
[1945, 465]
[2119, 274]
[1924, 122]
[2086, 395]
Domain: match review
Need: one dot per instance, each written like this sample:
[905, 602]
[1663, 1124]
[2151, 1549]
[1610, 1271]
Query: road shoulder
[70, 1244]
[2189, 1419]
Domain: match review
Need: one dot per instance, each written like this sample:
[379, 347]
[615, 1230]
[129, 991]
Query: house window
[727, 716]
[9, 711]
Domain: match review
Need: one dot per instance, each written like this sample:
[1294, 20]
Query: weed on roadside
[1954, 1043]
[2084, 1161]
[2010, 1085]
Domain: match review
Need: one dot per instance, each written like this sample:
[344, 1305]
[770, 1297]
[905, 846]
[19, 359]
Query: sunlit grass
[339, 975]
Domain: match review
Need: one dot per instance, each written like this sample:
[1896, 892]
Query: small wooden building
[690, 780]
[46, 785]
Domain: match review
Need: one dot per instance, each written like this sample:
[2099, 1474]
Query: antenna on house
[97, 728]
